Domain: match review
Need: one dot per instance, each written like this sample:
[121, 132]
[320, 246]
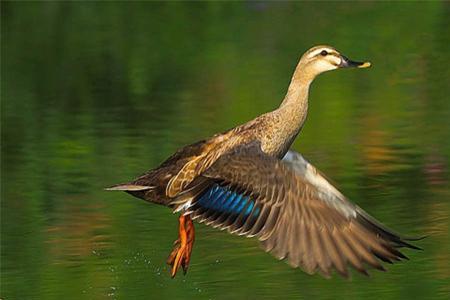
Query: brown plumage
[245, 180]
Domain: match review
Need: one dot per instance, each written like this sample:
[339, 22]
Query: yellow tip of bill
[365, 65]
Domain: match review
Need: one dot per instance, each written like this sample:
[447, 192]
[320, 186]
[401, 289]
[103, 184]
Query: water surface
[96, 93]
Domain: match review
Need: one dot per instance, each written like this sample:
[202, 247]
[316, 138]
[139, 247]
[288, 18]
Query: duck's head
[324, 58]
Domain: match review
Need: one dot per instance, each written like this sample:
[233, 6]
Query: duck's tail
[129, 187]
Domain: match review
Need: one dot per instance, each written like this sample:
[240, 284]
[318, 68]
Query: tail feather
[129, 187]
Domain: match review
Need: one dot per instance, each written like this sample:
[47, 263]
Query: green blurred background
[94, 94]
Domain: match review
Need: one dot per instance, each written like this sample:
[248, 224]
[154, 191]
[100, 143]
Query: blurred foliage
[95, 93]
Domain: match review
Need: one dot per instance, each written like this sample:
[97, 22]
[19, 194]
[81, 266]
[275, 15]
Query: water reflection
[81, 231]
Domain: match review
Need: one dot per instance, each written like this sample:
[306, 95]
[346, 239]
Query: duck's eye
[324, 53]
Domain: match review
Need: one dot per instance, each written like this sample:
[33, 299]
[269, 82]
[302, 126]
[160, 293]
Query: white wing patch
[327, 192]
[184, 207]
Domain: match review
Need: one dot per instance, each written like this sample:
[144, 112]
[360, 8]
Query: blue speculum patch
[220, 198]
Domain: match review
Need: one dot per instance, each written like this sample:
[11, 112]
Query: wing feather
[296, 214]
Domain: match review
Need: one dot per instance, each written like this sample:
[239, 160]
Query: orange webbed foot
[181, 253]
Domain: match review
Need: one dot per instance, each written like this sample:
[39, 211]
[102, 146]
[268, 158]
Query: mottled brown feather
[309, 222]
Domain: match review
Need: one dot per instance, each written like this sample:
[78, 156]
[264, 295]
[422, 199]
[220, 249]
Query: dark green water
[94, 94]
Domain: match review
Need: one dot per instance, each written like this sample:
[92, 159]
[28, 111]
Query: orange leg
[181, 253]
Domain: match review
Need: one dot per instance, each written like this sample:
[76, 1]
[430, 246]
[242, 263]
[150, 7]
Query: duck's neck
[298, 90]
[295, 104]
[294, 108]
[287, 121]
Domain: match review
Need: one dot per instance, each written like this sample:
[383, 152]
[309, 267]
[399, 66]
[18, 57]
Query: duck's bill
[347, 63]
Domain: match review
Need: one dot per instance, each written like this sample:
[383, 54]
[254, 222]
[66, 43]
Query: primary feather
[301, 218]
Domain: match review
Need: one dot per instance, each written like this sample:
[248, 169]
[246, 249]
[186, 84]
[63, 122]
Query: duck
[247, 181]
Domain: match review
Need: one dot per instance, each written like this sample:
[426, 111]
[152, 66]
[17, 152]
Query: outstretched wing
[295, 213]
